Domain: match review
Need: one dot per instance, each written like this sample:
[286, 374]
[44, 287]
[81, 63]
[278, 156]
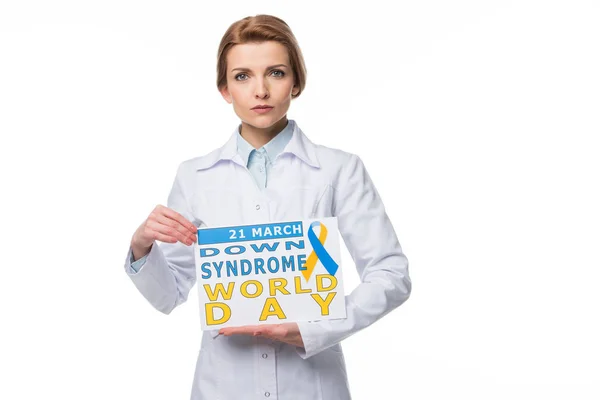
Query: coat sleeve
[168, 273]
[380, 262]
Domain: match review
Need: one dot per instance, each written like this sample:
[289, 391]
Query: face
[259, 74]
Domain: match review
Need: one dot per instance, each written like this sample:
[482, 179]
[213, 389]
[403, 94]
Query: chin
[262, 122]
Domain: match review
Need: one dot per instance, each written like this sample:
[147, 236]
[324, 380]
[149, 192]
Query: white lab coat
[307, 181]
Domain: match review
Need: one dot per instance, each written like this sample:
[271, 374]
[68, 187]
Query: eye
[238, 75]
[276, 71]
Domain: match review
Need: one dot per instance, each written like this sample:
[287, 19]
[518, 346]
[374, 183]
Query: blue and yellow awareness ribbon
[319, 253]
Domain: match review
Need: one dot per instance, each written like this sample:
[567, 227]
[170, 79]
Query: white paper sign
[269, 273]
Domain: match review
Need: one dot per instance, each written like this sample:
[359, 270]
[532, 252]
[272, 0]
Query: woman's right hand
[165, 225]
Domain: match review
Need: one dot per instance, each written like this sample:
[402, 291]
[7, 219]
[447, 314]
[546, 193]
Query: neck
[258, 137]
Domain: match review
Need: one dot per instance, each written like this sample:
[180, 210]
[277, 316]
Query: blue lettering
[205, 267]
[246, 267]
[270, 261]
[218, 267]
[258, 265]
[299, 245]
[204, 250]
[232, 268]
[271, 247]
[287, 263]
[301, 262]
[241, 249]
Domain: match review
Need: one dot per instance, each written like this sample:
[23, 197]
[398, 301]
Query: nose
[261, 90]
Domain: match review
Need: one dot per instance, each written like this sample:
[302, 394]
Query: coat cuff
[314, 336]
[144, 264]
[137, 264]
[152, 278]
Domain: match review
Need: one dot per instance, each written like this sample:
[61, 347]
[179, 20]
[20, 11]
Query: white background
[477, 121]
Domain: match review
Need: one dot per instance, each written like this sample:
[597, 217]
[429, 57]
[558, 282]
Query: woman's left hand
[287, 332]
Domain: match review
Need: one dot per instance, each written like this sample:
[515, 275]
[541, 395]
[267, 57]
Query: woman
[270, 171]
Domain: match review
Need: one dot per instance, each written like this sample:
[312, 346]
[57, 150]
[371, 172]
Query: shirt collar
[272, 149]
[298, 145]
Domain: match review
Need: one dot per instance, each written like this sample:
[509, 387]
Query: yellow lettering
[324, 303]
[277, 284]
[244, 289]
[219, 289]
[298, 285]
[320, 287]
[272, 307]
[210, 316]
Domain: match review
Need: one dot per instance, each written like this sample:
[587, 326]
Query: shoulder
[331, 157]
[328, 158]
[187, 170]
[190, 166]
[342, 167]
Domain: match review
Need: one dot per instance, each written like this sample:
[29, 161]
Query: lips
[262, 110]
[261, 107]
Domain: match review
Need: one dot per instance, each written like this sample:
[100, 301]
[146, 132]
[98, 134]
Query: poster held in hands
[269, 273]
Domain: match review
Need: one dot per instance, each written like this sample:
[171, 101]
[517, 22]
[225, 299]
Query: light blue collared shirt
[258, 161]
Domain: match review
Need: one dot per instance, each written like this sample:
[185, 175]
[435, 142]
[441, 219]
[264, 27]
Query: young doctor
[269, 170]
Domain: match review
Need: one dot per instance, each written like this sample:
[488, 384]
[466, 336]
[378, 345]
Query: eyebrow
[272, 66]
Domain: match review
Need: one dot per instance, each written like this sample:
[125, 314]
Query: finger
[267, 330]
[239, 330]
[172, 234]
[174, 215]
[164, 238]
[273, 331]
[175, 225]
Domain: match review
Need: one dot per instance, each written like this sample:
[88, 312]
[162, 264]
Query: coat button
[258, 206]
[267, 394]
[265, 355]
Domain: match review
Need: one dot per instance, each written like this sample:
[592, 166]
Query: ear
[226, 95]
[295, 90]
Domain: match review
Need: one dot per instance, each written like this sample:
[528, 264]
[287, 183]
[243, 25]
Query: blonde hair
[261, 28]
